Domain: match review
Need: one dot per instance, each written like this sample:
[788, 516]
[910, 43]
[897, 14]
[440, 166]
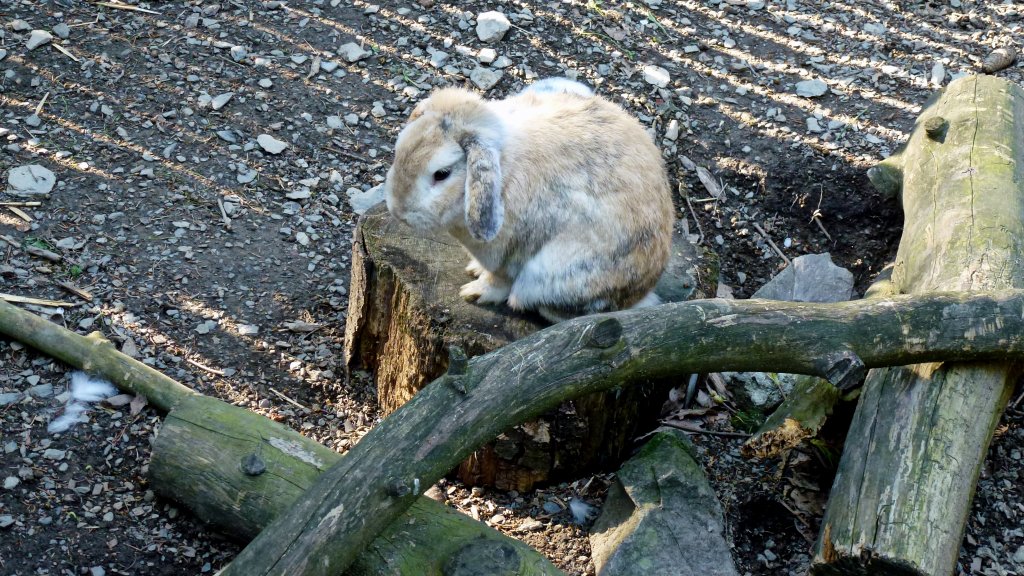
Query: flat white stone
[271, 144]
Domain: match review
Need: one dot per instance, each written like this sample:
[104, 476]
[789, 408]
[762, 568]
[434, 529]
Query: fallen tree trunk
[201, 458]
[237, 470]
[474, 402]
[903, 492]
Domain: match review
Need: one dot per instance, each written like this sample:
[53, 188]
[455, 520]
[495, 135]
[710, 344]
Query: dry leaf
[709, 182]
[138, 403]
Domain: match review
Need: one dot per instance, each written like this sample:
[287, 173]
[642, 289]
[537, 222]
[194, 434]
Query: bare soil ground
[208, 257]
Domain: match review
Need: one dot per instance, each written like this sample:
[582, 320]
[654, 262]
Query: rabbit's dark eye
[442, 174]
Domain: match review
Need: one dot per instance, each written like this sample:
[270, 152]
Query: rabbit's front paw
[485, 290]
[475, 269]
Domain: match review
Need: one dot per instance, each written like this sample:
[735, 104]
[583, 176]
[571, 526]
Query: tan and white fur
[559, 196]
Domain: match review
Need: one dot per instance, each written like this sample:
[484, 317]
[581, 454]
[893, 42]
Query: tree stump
[405, 312]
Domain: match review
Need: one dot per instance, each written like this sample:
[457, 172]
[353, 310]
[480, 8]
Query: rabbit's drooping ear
[485, 210]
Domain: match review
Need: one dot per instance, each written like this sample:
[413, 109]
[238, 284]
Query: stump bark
[404, 313]
[903, 492]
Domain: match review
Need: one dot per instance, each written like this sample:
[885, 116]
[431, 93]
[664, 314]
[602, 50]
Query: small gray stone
[352, 119]
[8, 398]
[265, 82]
[491, 26]
[811, 88]
[302, 238]
[11, 482]
[657, 76]
[487, 55]
[62, 30]
[3, 54]
[19, 25]
[353, 52]
[54, 454]
[220, 100]
[227, 136]
[362, 201]
[238, 53]
[551, 508]
[271, 144]
[41, 391]
[97, 571]
[485, 78]
[6, 521]
[334, 122]
[38, 38]
[33, 120]
[248, 329]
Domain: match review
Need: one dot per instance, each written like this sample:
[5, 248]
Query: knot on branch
[253, 465]
[844, 369]
[398, 488]
[935, 127]
[604, 334]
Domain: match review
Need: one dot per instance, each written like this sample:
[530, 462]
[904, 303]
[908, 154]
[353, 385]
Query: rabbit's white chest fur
[565, 202]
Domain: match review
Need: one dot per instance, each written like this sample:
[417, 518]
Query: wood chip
[20, 213]
[80, 292]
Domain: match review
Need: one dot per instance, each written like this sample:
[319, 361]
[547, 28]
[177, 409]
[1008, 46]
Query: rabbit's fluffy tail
[651, 299]
[85, 390]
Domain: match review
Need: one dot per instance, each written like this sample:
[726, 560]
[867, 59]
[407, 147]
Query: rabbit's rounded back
[559, 194]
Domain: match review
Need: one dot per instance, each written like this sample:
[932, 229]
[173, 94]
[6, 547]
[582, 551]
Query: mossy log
[405, 311]
[475, 401]
[800, 416]
[237, 470]
[93, 354]
[903, 492]
[806, 409]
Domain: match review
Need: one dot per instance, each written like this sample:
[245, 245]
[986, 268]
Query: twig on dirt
[22, 204]
[695, 430]
[37, 301]
[816, 216]
[85, 23]
[770, 242]
[692, 214]
[119, 6]
[349, 155]
[223, 213]
[289, 400]
[1017, 402]
[43, 253]
[213, 371]
[80, 292]
[10, 240]
[39, 107]
[65, 52]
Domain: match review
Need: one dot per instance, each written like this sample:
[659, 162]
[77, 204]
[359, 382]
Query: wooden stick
[770, 243]
[119, 6]
[36, 301]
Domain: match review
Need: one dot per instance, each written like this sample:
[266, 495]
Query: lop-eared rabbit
[559, 196]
